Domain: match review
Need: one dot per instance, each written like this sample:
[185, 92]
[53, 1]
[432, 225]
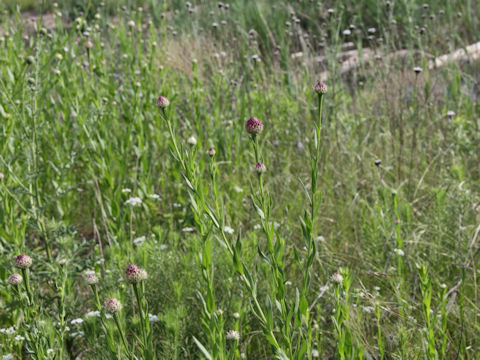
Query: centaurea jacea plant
[23, 262]
[308, 220]
[135, 276]
[206, 218]
[263, 203]
[204, 214]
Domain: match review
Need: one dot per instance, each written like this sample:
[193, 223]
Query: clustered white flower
[134, 201]
[228, 230]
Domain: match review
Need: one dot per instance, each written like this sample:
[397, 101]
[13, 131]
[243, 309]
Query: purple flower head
[320, 88]
[15, 279]
[163, 102]
[23, 261]
[113, 306]
[91, 278]
[254, 126]
[134, 274]
[260, 168]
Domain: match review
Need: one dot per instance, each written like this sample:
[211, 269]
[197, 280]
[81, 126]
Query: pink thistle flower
[113, 306]
[91, 278]
[134, 274]
[260, 168]
[163, 102]
[254, 126]
[15, 279]
[337, 278]
[320, 88]
[23, 261]
[211, 152]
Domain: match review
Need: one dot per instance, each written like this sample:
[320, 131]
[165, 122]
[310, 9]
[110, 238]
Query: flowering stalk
[206, 217]
[136, 276]
[308, 221]
[275, 249]
[113, 306]
[23, 262]
[203, 212]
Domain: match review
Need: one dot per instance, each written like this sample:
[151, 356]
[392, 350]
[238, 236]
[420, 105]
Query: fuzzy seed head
[163, 102]
[23, 261]
[254, 126]
[113, 306]
[211, 152]
[134, 274]
[15, 279]
[320, 88]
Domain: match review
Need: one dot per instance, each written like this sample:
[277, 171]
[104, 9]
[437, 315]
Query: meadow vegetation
[201, 180]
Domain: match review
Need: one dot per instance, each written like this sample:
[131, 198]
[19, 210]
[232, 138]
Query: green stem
[142, 315]
[122, 336]
[26, 276]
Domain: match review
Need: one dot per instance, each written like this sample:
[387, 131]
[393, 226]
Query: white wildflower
[126, 191]
[134, 201]
[153, 318]
[76, 321]
[139, 241]
[92, 314]
[228, 230]
[399, 252]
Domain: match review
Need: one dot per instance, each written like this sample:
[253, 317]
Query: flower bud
[233, 335]
[91, 278]
[134, 274]
[162, 102]
[337, 278]
[260, 168]
[113, 306]
[254, 126]
[23, 261]
[320, 88]
[15, 279]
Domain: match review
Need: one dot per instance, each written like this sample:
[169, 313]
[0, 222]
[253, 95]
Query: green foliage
[96, 177]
